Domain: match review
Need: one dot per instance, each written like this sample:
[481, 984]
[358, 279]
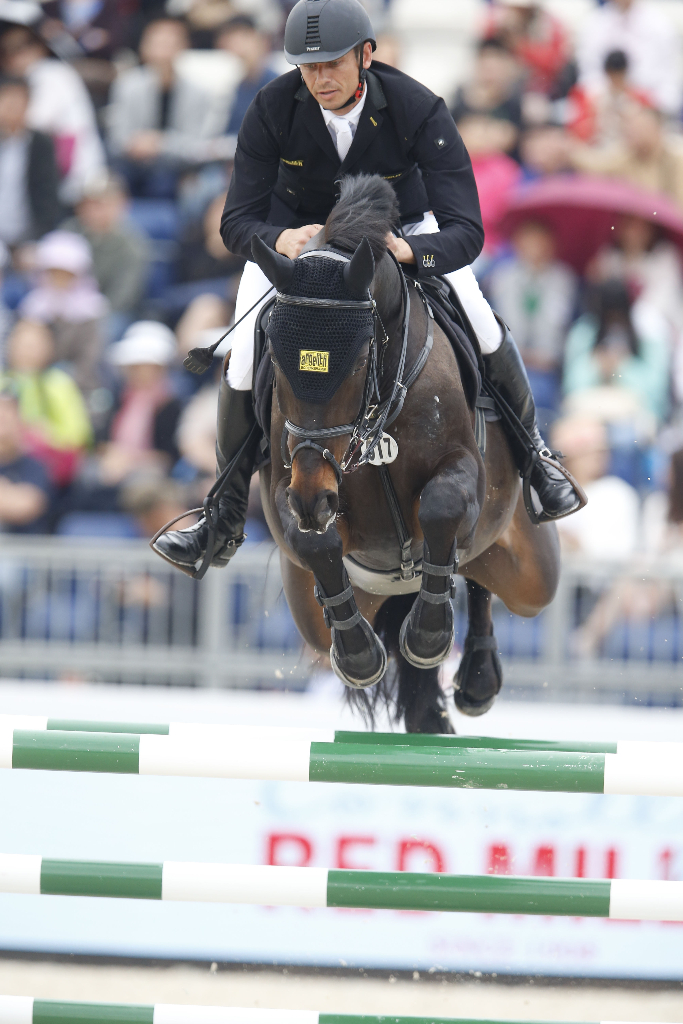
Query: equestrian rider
[341, 114]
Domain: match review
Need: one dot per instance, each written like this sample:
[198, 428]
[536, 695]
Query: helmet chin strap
[359, 88]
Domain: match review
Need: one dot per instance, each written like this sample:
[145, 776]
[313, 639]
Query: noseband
[374, 416]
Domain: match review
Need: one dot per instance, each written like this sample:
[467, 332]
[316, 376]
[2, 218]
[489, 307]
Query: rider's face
[336, 80]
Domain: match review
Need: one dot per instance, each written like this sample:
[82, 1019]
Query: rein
[372, 419]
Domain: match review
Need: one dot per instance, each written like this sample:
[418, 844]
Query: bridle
[374, 415]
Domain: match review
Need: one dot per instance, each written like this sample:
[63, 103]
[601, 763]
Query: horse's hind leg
[480, 675]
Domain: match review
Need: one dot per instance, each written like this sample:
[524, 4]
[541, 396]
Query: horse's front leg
[357, 654]
[448, 514]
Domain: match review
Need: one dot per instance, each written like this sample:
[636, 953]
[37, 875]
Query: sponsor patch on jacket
[314, 362]
[292, 163]
[428, 261]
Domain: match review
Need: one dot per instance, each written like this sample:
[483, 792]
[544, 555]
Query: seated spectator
[202, 253]
[59, 106]
[649, 264]
[608, 525]
[25, 490]
[156, 117]
[241, 37]
[535, 295]
[544, 150]
[153, 503]
[67, 300]
[53, 411]
[207, 15]
[597, 110]
[622, 348]
[641, 599]
[197, 438]
[6, 314]
[535, 37]
[89, 35]
[648, 38]
[647, 156]
[29, 180]
[120, 252]
[487, 140]
[493, 87]
[143, 425]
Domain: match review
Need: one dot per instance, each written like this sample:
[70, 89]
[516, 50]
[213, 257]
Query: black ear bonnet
[316, 348]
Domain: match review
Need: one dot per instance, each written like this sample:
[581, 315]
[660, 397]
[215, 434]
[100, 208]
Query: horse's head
[320, 332]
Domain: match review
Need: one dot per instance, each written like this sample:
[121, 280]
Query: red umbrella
[583, 212]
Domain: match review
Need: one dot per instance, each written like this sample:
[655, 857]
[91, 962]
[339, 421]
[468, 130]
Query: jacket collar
[370, 121]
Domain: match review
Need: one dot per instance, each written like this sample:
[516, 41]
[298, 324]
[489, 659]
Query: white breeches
[254, 283]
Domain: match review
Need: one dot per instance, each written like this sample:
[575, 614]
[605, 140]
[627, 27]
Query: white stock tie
[344, 136]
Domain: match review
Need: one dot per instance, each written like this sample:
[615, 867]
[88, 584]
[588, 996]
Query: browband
[327, 253]
[297, 300]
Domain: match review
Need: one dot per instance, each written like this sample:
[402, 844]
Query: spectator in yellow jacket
[52, 408]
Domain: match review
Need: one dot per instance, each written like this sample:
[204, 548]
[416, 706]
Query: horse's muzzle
[316, 513]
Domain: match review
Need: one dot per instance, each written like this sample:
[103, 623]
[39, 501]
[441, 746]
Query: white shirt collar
[352, 117]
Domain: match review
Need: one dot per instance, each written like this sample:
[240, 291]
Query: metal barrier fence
[112, 610]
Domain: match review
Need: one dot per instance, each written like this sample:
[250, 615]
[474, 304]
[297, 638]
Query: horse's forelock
[367, 207]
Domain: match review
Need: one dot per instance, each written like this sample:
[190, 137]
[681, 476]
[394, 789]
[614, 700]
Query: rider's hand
[400, 249]
[291, 241]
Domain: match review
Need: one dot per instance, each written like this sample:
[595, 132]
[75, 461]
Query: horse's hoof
[428, 640]
[479, 678]
[360, 670]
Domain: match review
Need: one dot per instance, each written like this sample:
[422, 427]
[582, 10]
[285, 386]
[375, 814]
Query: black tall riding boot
[557, 491]
[235, 420]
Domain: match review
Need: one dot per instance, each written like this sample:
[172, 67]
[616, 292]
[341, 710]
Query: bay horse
[346, 331]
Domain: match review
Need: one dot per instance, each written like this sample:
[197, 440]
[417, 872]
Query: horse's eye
[361, 364]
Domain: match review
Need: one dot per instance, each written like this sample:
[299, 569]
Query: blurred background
[118, 124]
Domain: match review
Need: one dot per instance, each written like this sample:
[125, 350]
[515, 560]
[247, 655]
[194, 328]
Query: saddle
[453, 321]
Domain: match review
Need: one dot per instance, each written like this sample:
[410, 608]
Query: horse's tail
[407, 692]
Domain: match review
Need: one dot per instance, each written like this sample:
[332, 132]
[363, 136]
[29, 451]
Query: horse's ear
[278, 269]
[358, 274]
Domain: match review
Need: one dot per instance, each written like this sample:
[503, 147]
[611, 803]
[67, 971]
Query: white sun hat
[64, 250]
[146, 341]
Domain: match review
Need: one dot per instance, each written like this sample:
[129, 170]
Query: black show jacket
[286, 167]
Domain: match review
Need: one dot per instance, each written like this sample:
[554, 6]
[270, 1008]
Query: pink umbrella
[583, 212]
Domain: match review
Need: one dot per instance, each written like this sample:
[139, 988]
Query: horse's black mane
[367, 206]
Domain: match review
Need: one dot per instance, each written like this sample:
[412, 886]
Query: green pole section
[76, 751]
[490, 742]
[48, 1012]
[487, 894]
[347, 1018]
[461, 768]
[84, 725]
[100, 878]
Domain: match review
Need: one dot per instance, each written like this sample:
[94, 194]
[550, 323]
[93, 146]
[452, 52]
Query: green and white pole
[621, 899]
[636, 768]
[264, 733]
[26, 1010]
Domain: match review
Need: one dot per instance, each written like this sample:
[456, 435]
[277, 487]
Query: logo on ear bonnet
[314, 362]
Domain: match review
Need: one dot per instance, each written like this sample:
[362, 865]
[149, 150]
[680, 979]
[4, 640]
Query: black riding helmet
[322, 30]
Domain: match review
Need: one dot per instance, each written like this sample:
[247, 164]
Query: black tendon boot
[558, 492]
[235, 420]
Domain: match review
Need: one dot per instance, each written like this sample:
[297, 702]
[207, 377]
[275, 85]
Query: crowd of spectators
[118, 125]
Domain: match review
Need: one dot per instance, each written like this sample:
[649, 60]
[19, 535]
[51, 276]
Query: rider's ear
[278, 269]
[358, 274]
